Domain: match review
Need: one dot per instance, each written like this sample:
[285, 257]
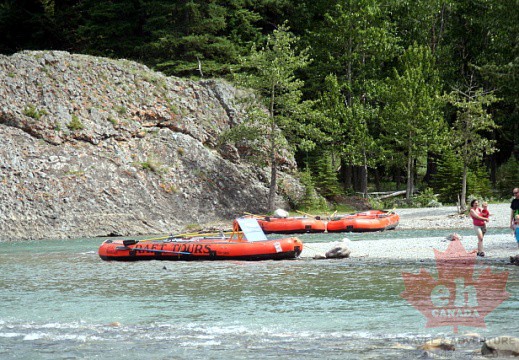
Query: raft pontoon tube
[251, 244]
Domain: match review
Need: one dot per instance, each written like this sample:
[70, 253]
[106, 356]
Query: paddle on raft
[203, 234]
[317, 217]
[255, 215]
[133, 241]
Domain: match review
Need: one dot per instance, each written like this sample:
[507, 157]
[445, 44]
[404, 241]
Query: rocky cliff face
[96, 147]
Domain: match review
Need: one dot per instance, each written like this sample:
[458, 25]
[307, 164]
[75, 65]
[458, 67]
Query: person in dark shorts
[479, 224]
[515, 207]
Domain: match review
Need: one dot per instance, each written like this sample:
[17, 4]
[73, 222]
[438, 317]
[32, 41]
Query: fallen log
[396, 193]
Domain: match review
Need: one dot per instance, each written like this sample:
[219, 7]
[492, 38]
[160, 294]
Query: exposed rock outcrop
[95, 147]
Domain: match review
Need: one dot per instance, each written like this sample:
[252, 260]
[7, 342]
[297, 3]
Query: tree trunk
[272, 188]
[410, 178]
[357, 178]
[346, 171]
[364, 178]
[432, 168]
[377, 179]
[397, 177]
[273, 169]
[463, 199]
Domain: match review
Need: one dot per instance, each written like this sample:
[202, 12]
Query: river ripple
[59, 300]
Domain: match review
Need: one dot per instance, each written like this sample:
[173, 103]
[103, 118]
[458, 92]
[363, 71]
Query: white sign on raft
[251, 229]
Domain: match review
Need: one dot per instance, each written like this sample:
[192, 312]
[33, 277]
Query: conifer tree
[271, 73]
[309, 199]
[446, 180]
[472, 120]
[412, 119]
[326, 177]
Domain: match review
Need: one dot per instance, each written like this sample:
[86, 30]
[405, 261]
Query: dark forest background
[391, 95]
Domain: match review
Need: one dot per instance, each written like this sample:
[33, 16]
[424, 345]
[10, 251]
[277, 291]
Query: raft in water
[251, 244]
[372, 220]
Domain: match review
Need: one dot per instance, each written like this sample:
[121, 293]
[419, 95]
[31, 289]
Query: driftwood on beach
[384, 194]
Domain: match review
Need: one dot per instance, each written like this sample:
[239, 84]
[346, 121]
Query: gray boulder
[501, 346]
[338, 252]
[438, 344]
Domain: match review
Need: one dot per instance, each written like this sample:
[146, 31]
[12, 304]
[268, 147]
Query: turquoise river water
[61, 301]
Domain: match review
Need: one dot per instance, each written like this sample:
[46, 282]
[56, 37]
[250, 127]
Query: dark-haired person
[515, 207]
[479, 224]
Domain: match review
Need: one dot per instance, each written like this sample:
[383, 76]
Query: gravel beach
[497, 246]
[447, 217]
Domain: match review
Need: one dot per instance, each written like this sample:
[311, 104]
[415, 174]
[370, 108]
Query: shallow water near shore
[60, 300]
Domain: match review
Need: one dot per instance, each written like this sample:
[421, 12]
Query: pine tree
[472, 119]
[412, 119]
[309, 199]
[447, 181]
[326, 177]
[272, 74]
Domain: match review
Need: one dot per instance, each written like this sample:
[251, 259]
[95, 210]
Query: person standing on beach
[486, 214]
[479, 224]
[515, 207]
[516, 229]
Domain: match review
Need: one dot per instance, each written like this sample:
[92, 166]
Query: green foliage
[507, 177]
[309, 199]
[121, 110]
[426, 198]
[412, 119]
[348, 129]
[24, 25]
[33, 112]
[112, 121]
[326, 177]
[272, 74]
[351, 40]
[355, 47]
[478, 184]
[75, 124]
[200, 38]
[472, 120]
[112, 28]
[447, 182]
[376, 204]
[252, 135]
[151, 164]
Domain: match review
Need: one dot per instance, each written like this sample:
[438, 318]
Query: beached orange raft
[247, 245]
[372, 220]
[291, 224]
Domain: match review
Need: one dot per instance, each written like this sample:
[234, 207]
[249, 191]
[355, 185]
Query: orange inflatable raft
[372, 220]
[292, 224]
[249, 245]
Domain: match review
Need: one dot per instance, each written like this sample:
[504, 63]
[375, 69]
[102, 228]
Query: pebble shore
[497, 246]
[447, 217]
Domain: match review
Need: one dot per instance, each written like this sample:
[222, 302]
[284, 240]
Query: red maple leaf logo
[455, 298]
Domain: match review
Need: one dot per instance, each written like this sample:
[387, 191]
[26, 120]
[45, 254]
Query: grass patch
[121, 110]
[75, 124]
[33, 112]
[151, 164]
